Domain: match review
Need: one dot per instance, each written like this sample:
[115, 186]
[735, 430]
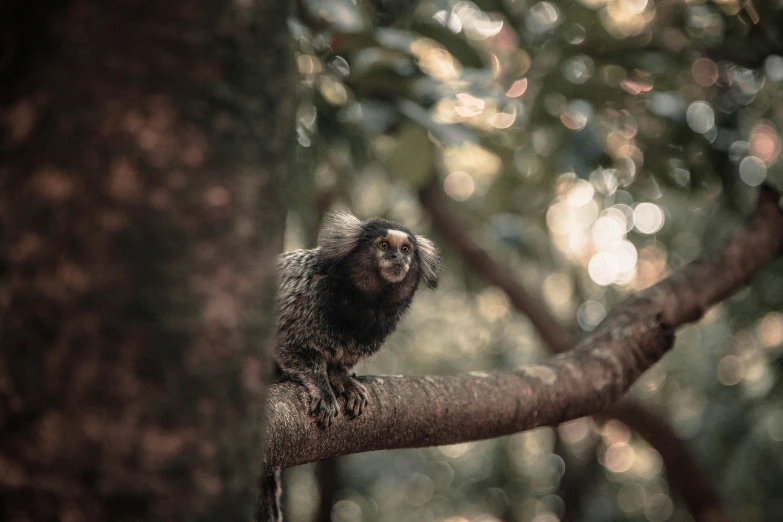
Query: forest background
[563, 155]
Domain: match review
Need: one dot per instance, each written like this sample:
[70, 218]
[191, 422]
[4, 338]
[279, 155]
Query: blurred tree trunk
[144, 144]
[329, 483]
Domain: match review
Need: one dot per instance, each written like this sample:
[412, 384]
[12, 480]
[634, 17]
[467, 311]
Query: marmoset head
[379, 253]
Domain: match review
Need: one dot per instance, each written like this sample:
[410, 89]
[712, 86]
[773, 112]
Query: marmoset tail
[337, 303]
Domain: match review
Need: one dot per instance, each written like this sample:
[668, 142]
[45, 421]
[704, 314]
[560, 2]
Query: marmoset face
[394, 252]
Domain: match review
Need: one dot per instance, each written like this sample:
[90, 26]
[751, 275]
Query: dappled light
[601, 180]
[592, 147]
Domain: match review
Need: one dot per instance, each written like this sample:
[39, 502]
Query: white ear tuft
[339, 235]
[429, 257]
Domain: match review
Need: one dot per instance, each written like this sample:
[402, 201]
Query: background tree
[143, 145]
[588, 148]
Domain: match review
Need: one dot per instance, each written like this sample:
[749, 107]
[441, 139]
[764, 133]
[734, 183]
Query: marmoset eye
[405, 248]
[384, 245]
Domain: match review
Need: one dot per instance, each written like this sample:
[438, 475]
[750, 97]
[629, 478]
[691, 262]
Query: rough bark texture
[144, 143]
[683, 472]
[423, 411]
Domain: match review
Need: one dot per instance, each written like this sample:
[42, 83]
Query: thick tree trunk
[144, 146]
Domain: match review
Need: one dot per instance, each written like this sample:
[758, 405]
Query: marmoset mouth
[392, 271]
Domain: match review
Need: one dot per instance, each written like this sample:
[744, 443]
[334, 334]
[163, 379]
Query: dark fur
[336, 308]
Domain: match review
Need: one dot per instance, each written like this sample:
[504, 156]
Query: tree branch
[682, 470]
[408, 412]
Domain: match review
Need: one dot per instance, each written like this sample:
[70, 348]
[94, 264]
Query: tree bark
[145, 144]
[410, 412]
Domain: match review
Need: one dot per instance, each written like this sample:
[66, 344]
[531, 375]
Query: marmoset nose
[394, 255]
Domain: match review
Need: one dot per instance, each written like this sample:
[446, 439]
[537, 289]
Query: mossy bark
[144, 145]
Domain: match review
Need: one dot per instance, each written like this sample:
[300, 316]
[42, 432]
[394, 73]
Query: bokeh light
[459, 185]
[704, 71]
[648, 218]
[542, 17]
[592, 148]
[730, 370]
[701, 117]
[517, 88]
[764, 143]
[752, 171]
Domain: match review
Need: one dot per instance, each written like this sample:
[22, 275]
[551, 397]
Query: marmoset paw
[324, 408]
[356, 397]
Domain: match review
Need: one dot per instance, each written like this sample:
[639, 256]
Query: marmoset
[336, 305]
[338, 302]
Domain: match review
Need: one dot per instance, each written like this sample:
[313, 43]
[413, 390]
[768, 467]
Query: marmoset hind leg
[346, 385]
[309, 370]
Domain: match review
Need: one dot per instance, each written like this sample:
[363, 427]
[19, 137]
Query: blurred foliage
[591, 147]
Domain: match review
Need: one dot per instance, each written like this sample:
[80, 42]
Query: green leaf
[411, 159]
